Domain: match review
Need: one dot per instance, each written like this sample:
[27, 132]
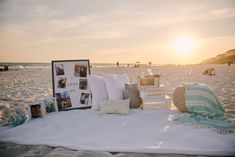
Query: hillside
[224, 58]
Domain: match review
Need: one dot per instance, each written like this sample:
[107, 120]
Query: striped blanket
[205, 109]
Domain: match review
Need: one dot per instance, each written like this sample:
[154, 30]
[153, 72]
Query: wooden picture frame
[69, 80]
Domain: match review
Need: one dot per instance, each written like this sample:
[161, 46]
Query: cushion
[98, 90]
[115, 107]
[115, 85]
[178, 98]
[131, 91]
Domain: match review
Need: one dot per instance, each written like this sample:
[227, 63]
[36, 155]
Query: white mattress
[148, 131]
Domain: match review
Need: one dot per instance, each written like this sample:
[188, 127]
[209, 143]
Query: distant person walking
[229, 63]
[6, 68]
[117, 64]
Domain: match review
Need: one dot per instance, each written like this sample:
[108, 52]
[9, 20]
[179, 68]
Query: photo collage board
[70, 84]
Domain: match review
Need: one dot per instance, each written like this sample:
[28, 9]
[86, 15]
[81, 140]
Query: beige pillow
[131, 91]
[115, 107]
[178, 98]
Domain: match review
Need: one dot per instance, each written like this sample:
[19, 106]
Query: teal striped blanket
[205, 109]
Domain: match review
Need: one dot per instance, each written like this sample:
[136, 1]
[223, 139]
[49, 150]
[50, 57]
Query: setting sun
[185, 45]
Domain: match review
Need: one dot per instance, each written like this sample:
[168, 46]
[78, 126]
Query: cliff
[224, 58]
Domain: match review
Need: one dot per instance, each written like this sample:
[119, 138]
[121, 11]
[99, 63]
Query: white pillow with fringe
[115, 107]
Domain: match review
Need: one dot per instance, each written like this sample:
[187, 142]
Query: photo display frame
[70, 84]
[35, 110]
[50, 105]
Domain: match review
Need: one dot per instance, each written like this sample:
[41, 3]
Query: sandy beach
[24, 86]
[30, 85]
[50, 106]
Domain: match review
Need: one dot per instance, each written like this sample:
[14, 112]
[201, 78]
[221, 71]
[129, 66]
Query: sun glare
[185, 45]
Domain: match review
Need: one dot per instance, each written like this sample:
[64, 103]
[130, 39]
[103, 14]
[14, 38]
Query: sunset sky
[107, 31]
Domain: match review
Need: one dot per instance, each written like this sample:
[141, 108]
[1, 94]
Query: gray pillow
[131, 92]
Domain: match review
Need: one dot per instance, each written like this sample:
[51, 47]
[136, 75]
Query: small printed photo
[50, 105]
[63, 100]
[83, 84]
[35, 110]
[61, 83]
[80, 70]
[84, 98]
[59, 68]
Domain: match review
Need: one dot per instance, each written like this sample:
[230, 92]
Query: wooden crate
[148, 81]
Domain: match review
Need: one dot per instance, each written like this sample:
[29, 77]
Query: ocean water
[17, 66]
[27, 83]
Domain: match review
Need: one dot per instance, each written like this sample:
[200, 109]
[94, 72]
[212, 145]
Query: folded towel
[205, 109]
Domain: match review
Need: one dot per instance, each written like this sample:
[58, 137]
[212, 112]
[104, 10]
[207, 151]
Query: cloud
[135, 22]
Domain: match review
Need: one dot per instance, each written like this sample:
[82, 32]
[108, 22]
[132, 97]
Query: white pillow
[98, 90]
[115, 107]
[115, 85]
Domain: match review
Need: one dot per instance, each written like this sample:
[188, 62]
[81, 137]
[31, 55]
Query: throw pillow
[98, 90]
[115, 107]
[115, 85]
[178, 98]
[131, 91]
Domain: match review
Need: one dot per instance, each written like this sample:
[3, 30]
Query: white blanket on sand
[149, 131]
